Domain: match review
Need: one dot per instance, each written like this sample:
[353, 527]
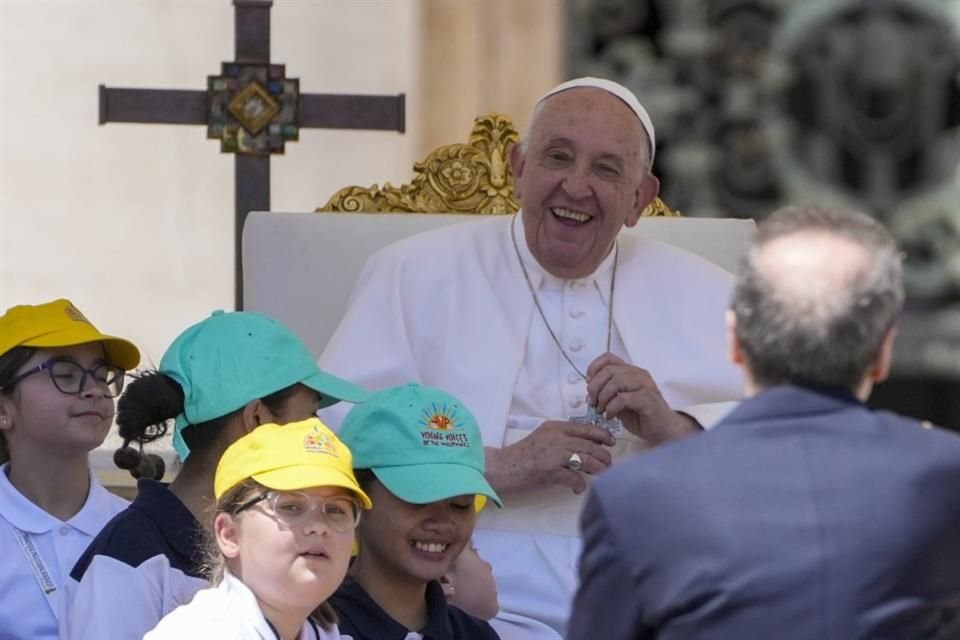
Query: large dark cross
[253, 109]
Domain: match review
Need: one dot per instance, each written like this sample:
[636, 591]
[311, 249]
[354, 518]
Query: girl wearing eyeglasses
[220, 379]
[58, 379]
[287, 507]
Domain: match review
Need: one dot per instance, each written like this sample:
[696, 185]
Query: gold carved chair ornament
[456, 178]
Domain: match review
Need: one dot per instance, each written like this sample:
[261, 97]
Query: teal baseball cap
[230, 359]
[423, 444]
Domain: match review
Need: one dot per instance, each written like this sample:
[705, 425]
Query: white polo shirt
[229, 610]
[27, 530]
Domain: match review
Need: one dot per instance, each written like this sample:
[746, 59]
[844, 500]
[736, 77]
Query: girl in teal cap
[220, 379]
[58, 379]
[419, 455]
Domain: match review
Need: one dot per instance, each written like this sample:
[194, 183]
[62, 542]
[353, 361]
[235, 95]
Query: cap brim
[306, 476]
[425, 483]
[120, 353]
[334, 389]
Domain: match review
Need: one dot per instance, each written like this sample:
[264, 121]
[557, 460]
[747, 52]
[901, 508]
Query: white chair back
[301, 267]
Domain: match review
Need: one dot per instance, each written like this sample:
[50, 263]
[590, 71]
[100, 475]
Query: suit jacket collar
[791, 400]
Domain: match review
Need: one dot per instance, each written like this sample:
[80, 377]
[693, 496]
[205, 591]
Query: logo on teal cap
[442, 427]
[420, 442]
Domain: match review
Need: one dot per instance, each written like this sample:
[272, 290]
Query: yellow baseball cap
[60, 324]
[288, 457]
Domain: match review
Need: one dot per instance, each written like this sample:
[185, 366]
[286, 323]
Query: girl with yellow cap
[58, 379]
[280, 541]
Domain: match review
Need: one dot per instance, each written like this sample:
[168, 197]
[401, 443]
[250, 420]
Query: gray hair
[820, 333]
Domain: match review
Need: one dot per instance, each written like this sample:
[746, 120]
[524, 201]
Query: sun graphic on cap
[440, 418]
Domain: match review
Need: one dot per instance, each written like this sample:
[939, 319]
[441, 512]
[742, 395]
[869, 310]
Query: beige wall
[135, 222]
[483, 56]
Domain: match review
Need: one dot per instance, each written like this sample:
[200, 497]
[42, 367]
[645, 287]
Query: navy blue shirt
[155, 524]
[363, 619]
[142, 565]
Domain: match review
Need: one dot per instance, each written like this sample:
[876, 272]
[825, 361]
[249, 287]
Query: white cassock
[451, 308]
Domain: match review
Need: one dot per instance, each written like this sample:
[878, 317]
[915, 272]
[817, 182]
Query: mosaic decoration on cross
[253, 108]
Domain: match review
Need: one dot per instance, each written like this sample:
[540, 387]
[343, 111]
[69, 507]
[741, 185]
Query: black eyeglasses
[70, 378]
[292, 509]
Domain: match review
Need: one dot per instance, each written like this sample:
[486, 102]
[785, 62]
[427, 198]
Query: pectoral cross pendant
[613, 425]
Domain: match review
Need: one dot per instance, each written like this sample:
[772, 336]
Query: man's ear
[647, 190]
[227, 534]
[517, 160]
[734, 348]
[880, 368]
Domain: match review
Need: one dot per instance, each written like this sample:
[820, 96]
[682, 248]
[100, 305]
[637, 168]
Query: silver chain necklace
[536, 300]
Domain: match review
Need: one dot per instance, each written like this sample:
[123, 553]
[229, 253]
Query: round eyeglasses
[71, 378]
[293, 509]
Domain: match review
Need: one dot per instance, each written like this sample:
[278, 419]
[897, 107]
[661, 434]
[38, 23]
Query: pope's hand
[542, 459]
[621, 390]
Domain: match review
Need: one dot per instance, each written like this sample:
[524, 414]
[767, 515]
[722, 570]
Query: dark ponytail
[144, 410]
[149, 401]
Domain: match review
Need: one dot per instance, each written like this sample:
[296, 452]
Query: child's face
[286, 567]
[42, 418]
[412, 540]
[473, 587]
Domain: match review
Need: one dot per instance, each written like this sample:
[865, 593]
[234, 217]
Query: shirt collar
[438, 625]
[352, 602]
[97, 510]
[773, 405]
[27, 516]
[243, 604]
[540, 278]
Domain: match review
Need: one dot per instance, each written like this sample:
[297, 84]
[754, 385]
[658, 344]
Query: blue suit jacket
[802, 516]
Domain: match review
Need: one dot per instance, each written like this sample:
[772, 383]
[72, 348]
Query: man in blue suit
[803, 515]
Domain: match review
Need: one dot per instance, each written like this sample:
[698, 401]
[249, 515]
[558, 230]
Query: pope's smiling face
[581, 175]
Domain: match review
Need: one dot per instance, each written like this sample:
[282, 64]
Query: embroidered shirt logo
[317, 442]
[441, 427]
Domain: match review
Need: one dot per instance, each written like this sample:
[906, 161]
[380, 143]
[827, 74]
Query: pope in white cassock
[541, 319]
